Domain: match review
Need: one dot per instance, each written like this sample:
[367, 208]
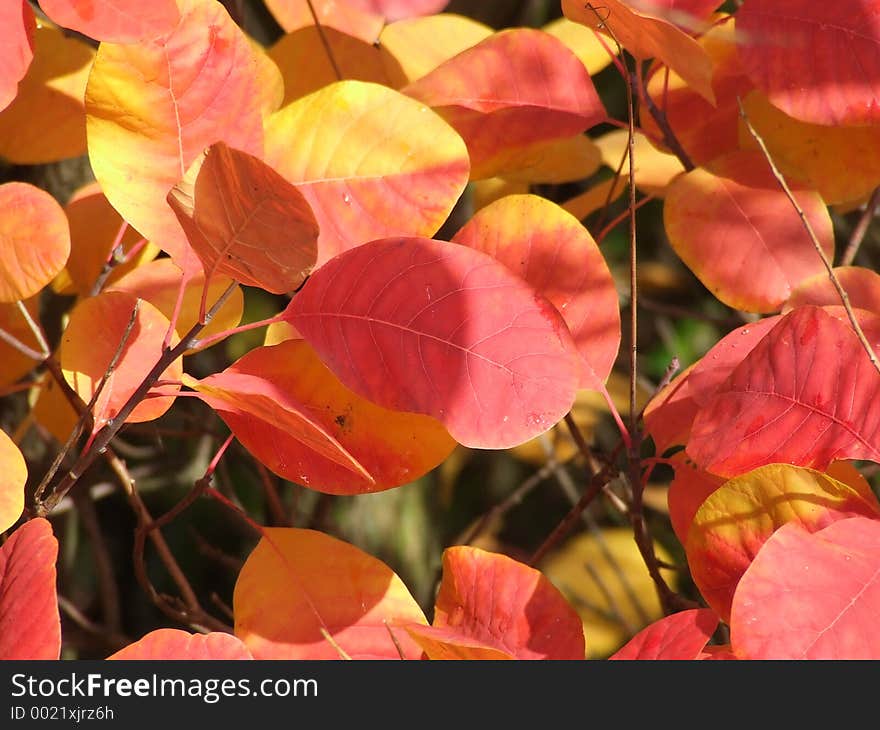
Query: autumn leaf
[174, 644]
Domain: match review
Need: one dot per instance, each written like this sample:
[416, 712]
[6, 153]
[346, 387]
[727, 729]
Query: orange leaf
[295, 14]
[116, 21]
[334, 441]
[17, 41]
[646, 36]
[305, 595]
[516, 89]
[94, 227]
[862, 287]
[563, 160]
[735, 521]
[34, 240]
[158, 282]
[13, 475]
[553, 252]
[246, 221]
[449, 644]
[737, 231]
[45, 121]
[153, 107]
[84, 356]
[370, 161]
[690, 487]
[13, 363]
[494, 601]
[174, 644]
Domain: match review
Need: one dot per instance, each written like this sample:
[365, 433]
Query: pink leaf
[679, 636]
[168, 644]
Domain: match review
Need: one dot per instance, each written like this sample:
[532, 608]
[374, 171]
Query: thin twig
[858, 233]
[669, 139]
[106, 579]
[829, 267]
[35, 329]
[324, 42]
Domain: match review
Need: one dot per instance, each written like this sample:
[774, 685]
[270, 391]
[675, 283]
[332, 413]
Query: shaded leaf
[552, 251]
[834, 161]
[681, 636]
[84, 357]
[488, 600]
[158, 282]
[518, 88]
[34, 240]
[16, 47]
[410, 168]
[738, 232]
[13, 475]
[564, 160]
[811, 596]
[153, 107]
[13, 363]
[94, 228]
[30, 626]
[45, 122]
[116, 21]
[244, 220]
[789, 402]
[862, 287]
[737, 519]
[690, 487]
[329, 438]
[449, 644]
[432, 327]
[297, 582]
[646, 36]
[596, 197]
[793, 50]
[344, 17]
[604, 577]
[174, 644]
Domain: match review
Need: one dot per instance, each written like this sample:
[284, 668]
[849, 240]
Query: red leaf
[737, 231]
[811, 596]
[246, 221]
[688, 490]
[165, 644]
[789, 401]
[294, 415]
[30, 626]
[553, 252]
[862, 288]
[116, 21]
[510, 92]
[16, 46]
[679, 636]
[491, 601]
[816, 61]
[419, 325]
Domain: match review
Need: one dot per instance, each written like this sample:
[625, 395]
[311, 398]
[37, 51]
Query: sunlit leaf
[862, 287]
[245, 221]
[681, 636]
[596, 197]
[654, 170]
[95, 333]
[342, 16]
[34, 240]
[158, 282]
[328, 438]
[116, 21]
[552, 251]
[737, 519]
[30, 626]
[458, 337]
[16, 47]
[811, 596]
[788, 401]
[165, 644]
[565, 160]
[590, 47]
[815, 61]
[490, 601]
[517, 88]
[835, 161]
[646, 36]
[414, 47]
[604, 577]
[409, 170]
[738, 232]
[153, 107]
[690, 487]
[13, 475]
[297, 583]
[45, 122]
